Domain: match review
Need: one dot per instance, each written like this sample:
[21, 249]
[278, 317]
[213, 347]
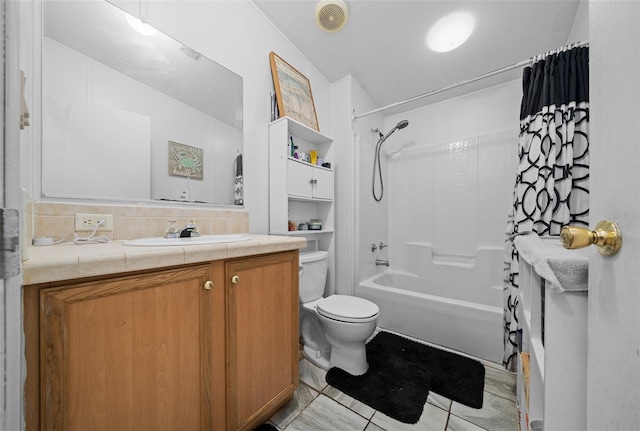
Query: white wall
[580, 29]
[451, 172]
[448, 176]
[371, 216]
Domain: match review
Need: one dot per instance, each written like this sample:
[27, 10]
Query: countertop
[70, 261]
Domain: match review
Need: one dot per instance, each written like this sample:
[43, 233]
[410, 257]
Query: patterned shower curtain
[552, 179]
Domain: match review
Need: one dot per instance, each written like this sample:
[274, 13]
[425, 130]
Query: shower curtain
[551, 188]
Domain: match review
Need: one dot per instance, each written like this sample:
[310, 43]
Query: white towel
[564, 270]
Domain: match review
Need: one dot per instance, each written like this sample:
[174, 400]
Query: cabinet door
[322, 184]
[262, 305]
[299, 179]
[129, 353]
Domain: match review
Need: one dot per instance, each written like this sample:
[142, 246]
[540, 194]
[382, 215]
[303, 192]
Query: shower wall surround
[450, 174]
[448, 177]
[448, 185]
[454, 195]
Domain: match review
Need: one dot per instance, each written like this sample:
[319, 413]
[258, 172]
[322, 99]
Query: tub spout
[382, 262]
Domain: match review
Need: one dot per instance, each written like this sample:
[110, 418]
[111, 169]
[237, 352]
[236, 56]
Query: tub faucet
[189, 231]
[383, 245]
[382, 262]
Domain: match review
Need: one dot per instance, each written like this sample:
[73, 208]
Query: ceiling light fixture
[331, 15]
[450, 31]
[139, 26]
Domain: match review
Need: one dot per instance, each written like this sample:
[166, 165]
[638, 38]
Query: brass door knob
[606, 236]
[235, 279]
[208, 285]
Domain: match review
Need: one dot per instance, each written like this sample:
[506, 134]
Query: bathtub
[453, 301]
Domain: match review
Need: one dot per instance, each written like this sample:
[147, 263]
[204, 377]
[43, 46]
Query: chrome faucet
[382, 262]
[383, 245]
[189, 231]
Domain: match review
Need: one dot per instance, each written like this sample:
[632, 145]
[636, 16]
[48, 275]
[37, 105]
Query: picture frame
[185, 161]
[293, 93]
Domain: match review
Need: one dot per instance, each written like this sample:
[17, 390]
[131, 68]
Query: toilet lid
[347, 308]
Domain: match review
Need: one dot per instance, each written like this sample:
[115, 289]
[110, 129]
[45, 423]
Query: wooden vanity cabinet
[164, 349]
[262, 337]
[128, 353]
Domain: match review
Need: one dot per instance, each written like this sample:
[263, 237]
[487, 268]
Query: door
[299, 179]
[613, 353]
[322, 184]
[262, 306]
[129, 353]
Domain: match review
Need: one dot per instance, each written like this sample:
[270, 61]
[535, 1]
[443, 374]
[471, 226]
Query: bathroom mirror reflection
[130, 116]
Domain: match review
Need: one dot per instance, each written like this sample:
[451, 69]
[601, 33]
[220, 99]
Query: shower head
[401, 125]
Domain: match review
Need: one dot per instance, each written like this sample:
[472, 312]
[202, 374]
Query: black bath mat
[456, 377]
[391, 385]
[401, 372]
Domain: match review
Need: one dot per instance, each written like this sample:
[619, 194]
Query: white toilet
[334, 329]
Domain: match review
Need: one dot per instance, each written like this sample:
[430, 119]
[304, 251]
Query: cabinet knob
[208, 284]
[235, 279]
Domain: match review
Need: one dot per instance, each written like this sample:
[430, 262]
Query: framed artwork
[185, 161]
[293, 93]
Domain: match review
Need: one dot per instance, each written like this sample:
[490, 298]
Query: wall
[410, 159]
[451, 172]
[455, 158]
[371, 216]
[580, 28]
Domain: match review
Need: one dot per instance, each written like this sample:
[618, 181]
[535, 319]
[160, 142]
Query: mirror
[128, 116]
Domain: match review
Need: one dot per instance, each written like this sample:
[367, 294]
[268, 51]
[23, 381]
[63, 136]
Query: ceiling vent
[331, 15]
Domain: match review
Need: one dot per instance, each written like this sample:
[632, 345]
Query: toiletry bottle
[292, 147]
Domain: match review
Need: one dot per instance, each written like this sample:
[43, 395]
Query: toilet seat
[347, 309]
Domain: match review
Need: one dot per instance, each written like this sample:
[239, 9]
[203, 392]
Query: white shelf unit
[300, 191]
[554, 336]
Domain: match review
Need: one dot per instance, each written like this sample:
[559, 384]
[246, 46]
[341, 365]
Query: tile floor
[318, 406]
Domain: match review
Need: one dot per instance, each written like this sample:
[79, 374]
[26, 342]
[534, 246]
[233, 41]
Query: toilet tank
[314, 275]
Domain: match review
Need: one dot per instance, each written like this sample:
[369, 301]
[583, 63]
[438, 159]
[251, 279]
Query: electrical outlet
[88, 222]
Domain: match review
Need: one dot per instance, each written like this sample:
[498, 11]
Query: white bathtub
[454, 303]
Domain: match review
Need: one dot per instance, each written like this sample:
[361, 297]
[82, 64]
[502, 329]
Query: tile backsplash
[57, 220]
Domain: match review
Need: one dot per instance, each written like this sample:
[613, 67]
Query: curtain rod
[468, 81]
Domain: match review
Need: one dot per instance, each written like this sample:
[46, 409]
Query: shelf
[303, 232]
[293, 159]
[307, 199]
[304, 132]
[558, 367]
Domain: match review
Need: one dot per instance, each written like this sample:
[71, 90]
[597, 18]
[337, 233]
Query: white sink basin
[200, 240]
